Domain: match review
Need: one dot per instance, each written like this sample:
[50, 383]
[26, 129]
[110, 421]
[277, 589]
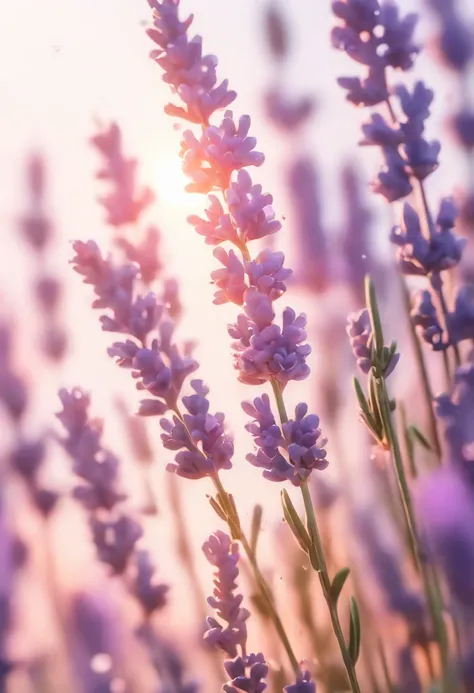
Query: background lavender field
[69, 621]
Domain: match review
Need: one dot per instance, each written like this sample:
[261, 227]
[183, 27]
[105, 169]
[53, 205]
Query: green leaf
[371, 302]
[366, 413]
[354, 632]
[217, 508]
[420, 438]
[294, 522]
[338, 583]
[256, 527]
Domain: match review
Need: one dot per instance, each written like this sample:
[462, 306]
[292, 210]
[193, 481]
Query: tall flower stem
[230, 514]
[433, 596]
[317, 547]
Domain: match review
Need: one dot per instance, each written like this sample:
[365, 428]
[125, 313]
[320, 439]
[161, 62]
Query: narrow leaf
[338, 583]
[294, 522]
[354, 632]
[418, 435]
[256, 527]
[217, 508]
[371, 302]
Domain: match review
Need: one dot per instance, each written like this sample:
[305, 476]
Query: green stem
[263, 586]
[439, 627]
[326, 588]
[317, 547]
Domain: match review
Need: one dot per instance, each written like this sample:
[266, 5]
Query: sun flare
[170, 182]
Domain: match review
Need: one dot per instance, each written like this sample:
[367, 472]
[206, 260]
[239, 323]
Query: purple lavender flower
[450, 531]
[115, 540]
[144, 253]
[456, 415]
[425, 256]
[126, 201]
[13, 391]
[263, 350]
[202, 444]
[300, 438]
[463, 125]
[359, 330]
[92, 463]
[223, 554]
[230, 280]
[149, 592]
[455, 36]
[303, 684]
[35, 226]
[461, 320]
[247, 673]
[221, 150]
[313, 261]
[425, 316]
[421, 156]
[191, 74]
[376, 36]
[408, 678]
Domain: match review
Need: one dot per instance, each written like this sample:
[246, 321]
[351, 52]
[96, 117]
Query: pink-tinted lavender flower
[144, 253]
[303, 684]
[419, 255]
[247, 673]
[377, 37]
[221, 150]
[263, 350]
[223, 554]
[126, 201]
[289, 453]
[191, 74]
[446, 506]
[230, 279]
[150, 593]
[201, 441]
[36, 226]
[250, 209]
[359, 330]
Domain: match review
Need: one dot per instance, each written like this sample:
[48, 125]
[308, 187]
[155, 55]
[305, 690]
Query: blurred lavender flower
[450, 532]
[247, 673]
[36, 227]
[419, 255]
[276, 31]
[302, 685]
[288, 114]
[115, 540]
[456, 415]
[313, 264]
[149, 592]
[144, 253]
[425, 316]
[126, 200]
[377, 37]
[6, 588]
[92, 463]
[408, 679]
[455, 40]
[356, 247]
[359, 330]
[300, 438]
[223, 554]
[203, 446]
[387, 570]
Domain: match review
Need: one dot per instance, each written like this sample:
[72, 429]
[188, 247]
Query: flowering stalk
[315, 551]
[379, 361]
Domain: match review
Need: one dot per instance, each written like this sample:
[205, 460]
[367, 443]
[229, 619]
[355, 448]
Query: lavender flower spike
[223, 554]
[359, 330]
[302, 685]
[251, 682]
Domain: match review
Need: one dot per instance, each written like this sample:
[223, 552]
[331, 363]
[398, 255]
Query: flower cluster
[376, 36]
[291, 452]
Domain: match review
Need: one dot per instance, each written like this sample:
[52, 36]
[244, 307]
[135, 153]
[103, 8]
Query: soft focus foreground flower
[247, 673]
[302, 685]
[446, 505]
[299, 438]
[126, 200]
[223, 554]
[456, 414]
